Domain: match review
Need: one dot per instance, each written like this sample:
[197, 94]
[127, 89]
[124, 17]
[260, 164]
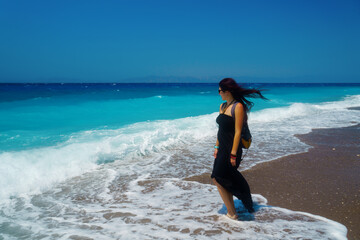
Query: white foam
[273, 129]
[32, 171]
[139, 193]
[150, 208]
[299, 110]
[189, 139]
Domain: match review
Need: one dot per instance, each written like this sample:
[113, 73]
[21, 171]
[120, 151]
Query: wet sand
[324, 181]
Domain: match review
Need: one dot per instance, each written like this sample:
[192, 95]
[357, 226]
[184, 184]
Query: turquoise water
[109, 161]
[35, 115]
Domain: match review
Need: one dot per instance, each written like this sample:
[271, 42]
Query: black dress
[224, 173]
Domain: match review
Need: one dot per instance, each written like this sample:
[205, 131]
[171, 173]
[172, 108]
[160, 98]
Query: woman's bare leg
[227, 197]
[232, 205]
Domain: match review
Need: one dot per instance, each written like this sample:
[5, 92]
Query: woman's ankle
[232, 216]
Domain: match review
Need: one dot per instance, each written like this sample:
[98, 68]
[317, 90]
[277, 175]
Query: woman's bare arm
[239, 119]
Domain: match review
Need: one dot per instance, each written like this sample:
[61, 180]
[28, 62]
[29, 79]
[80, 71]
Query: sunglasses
[221, 90]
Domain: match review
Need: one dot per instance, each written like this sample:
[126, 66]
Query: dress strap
[223, 106]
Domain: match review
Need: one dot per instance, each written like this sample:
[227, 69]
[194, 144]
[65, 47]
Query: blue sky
[131, 40]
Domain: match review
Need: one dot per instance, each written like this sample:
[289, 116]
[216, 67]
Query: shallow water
[104, 172]
[126, 207]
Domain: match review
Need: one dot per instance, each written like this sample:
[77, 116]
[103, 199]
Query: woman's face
[222, 94]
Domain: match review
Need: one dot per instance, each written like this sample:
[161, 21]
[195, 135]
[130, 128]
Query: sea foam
[128, 182]
[35, 170]
[31, 171]
[151, 208]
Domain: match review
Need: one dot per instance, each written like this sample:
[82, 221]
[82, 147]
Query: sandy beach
[324, 181]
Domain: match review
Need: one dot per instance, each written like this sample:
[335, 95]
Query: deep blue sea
[108, 161]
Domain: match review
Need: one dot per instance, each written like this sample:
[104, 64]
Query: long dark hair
[240, 93]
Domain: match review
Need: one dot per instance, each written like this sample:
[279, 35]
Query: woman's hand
[233, 162]
[233, 159]
[215, 152]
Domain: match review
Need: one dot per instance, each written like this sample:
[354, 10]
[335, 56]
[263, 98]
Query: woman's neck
[230, 99]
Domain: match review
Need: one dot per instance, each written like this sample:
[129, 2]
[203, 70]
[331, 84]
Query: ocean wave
[149, 208]
[274, 129]
[129, 182]
[40, 168]
[35, 170]
[297, 110]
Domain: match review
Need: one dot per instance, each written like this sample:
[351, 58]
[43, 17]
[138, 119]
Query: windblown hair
[241, 94]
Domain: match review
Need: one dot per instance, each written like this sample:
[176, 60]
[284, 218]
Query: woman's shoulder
[239, 105]
[239, 108]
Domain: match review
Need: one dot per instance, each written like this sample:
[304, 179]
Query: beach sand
[324, 181]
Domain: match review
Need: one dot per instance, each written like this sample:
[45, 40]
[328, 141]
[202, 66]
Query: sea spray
[125, 179]
[39, 168]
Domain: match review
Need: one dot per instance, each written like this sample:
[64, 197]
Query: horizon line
[176, 82]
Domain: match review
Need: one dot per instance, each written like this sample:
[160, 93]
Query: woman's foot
[232, 217]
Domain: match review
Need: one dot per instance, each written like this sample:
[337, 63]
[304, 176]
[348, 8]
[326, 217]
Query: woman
[228, 151]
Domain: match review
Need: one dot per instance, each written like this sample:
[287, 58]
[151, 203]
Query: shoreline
[324, 181]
